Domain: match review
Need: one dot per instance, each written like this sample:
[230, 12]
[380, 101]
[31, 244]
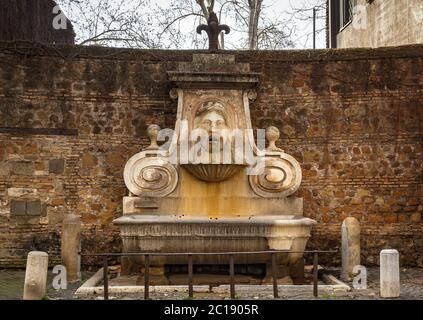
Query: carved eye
[220, 123]
[206, 124]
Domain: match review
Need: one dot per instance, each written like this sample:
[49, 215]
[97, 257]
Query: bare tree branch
[146, 24]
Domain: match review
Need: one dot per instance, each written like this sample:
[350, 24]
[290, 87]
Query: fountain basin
[213, 172]
[154, 233]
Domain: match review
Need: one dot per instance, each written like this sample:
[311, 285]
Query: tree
[116, 22]
[246, 16]
[253, 23]
[145, 24]
[304, 13]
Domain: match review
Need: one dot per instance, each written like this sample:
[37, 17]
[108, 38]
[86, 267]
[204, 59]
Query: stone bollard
[36, 275]
[71, 245]
[389, 274]
[350, 247]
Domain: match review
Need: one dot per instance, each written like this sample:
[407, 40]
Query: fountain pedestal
[209, 193]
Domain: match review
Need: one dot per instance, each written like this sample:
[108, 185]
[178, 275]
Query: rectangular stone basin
[158, 233]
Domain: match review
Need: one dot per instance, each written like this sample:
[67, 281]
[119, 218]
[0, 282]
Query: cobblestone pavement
[11, 287]
[11, 284]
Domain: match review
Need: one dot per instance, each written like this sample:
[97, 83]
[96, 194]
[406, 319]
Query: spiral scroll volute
[281, 177]
[150, 176]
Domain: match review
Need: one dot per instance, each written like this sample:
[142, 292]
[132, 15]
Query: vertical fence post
[105, 279]
[315, 274]
[275, 276]
[146, 276]
[190, 271]
[232, 276]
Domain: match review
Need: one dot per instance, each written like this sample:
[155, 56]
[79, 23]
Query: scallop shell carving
[213, 172]
[281, 177]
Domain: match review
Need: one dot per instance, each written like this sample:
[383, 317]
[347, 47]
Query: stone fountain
[206, 201]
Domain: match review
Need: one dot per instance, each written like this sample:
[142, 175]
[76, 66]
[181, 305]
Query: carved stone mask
[213, 121]
[211, 117]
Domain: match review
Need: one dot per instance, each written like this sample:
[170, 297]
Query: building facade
[374, 23]
[33, 20]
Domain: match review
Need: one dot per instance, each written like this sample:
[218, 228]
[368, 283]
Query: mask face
[213, 122]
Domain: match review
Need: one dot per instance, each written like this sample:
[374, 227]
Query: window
[347, 9]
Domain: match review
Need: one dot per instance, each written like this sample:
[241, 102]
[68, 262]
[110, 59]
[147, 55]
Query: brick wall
[70, 117]
[389, 23]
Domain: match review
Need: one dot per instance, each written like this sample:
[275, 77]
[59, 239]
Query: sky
[299, 25]
[282, 9]
[305, 28]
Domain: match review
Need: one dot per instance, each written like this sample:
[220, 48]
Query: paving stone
[11, 287]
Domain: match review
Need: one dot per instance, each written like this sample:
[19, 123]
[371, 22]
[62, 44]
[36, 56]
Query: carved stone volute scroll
[282, 173]
[149, 173]
[281, 177]
[251, 94]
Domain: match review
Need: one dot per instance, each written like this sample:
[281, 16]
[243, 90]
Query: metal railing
[231, 255]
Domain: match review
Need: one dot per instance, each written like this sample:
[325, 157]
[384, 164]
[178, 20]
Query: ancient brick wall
[70, 117]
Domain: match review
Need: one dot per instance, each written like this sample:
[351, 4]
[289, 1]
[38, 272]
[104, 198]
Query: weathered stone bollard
[71, 245]
[350, 247]
[36, 275]
[389, 274]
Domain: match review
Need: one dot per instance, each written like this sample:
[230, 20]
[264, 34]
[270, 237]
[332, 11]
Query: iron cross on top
[213, 29]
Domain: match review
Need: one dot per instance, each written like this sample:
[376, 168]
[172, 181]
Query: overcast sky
[303, 38]
[282, 9]
[299, 26]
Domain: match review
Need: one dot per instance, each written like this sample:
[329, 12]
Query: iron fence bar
[232, 275]
[190, 271]
[120, 254]
[190, 267]
[105, 279]
[275, 276]
[146, 276]
[315, 274]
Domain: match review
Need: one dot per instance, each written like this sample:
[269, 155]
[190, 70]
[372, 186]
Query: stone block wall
[70, 117]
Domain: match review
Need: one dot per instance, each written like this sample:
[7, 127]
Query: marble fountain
[210, 187]
[188, 196]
